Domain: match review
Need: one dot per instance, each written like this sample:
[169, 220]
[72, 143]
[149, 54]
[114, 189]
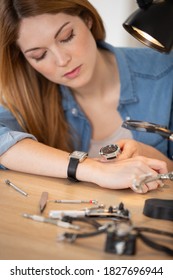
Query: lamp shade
[153, 25]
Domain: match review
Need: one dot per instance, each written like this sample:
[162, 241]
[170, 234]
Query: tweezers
[149, 178]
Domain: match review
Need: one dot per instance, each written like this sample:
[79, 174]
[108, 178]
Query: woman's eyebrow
[57, 33]
[60, 29]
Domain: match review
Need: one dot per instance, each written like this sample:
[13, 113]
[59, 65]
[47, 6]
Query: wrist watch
[74, 159]
[110, 151]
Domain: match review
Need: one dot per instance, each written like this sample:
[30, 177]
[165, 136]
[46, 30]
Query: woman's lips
[74, 73]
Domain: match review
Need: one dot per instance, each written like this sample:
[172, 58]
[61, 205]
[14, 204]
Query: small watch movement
[110, 151]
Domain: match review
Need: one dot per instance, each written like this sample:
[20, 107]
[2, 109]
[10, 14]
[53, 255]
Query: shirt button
[127, 118]
[74, 111]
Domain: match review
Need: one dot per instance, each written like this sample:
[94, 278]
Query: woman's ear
[89, 21]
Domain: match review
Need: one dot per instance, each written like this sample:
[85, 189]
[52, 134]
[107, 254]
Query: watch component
[110, 151]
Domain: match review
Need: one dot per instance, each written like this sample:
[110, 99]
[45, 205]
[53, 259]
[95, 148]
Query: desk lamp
[152, 24]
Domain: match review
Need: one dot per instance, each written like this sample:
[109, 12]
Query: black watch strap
[71, 171]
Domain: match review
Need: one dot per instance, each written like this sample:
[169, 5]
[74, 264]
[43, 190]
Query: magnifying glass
[148, 127]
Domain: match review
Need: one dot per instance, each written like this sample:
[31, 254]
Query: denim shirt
[146, 93]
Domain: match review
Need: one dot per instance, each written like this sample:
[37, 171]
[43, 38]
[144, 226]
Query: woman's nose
[62, 57]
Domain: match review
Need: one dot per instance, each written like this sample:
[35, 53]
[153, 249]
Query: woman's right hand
[122, 174]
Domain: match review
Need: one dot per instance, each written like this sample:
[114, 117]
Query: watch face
[110, 151]
[78, 155]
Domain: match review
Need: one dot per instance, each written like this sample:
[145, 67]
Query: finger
[146, 187]
[161, 184]
[152, 185]
[128, 151]
[141, 190]
[158, 165]
[140, 183]
[125, 154]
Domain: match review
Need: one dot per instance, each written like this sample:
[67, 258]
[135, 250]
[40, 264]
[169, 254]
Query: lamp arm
[144, 4]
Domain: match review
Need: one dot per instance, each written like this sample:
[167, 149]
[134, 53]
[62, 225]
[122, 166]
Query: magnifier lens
[148, 127]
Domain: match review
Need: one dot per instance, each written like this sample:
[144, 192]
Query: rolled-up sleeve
[9, 138]
[10, 131]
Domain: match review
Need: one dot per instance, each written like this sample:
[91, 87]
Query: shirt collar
[127, 94]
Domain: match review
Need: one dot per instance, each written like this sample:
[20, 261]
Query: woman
[64, 89]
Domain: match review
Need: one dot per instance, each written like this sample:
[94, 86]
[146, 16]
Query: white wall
[114, 13]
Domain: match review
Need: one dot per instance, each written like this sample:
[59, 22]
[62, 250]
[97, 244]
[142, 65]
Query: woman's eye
[40, 57]
[68, 38]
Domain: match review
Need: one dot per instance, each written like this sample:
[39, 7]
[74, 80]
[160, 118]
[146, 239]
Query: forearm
[33, 157]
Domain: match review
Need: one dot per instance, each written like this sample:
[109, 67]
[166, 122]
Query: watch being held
[110, 151]
[74, 159]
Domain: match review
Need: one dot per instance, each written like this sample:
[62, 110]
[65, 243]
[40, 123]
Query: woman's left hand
[130, 148]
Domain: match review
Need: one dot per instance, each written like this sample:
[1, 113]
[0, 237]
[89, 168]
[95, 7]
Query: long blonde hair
[33, 100]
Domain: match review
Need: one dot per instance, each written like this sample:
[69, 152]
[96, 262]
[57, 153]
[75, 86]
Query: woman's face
[60, 47]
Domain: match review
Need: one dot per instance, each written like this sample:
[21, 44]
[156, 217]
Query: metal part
[15, 187]
[42, 219]
[148, 127]
[138, 184]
